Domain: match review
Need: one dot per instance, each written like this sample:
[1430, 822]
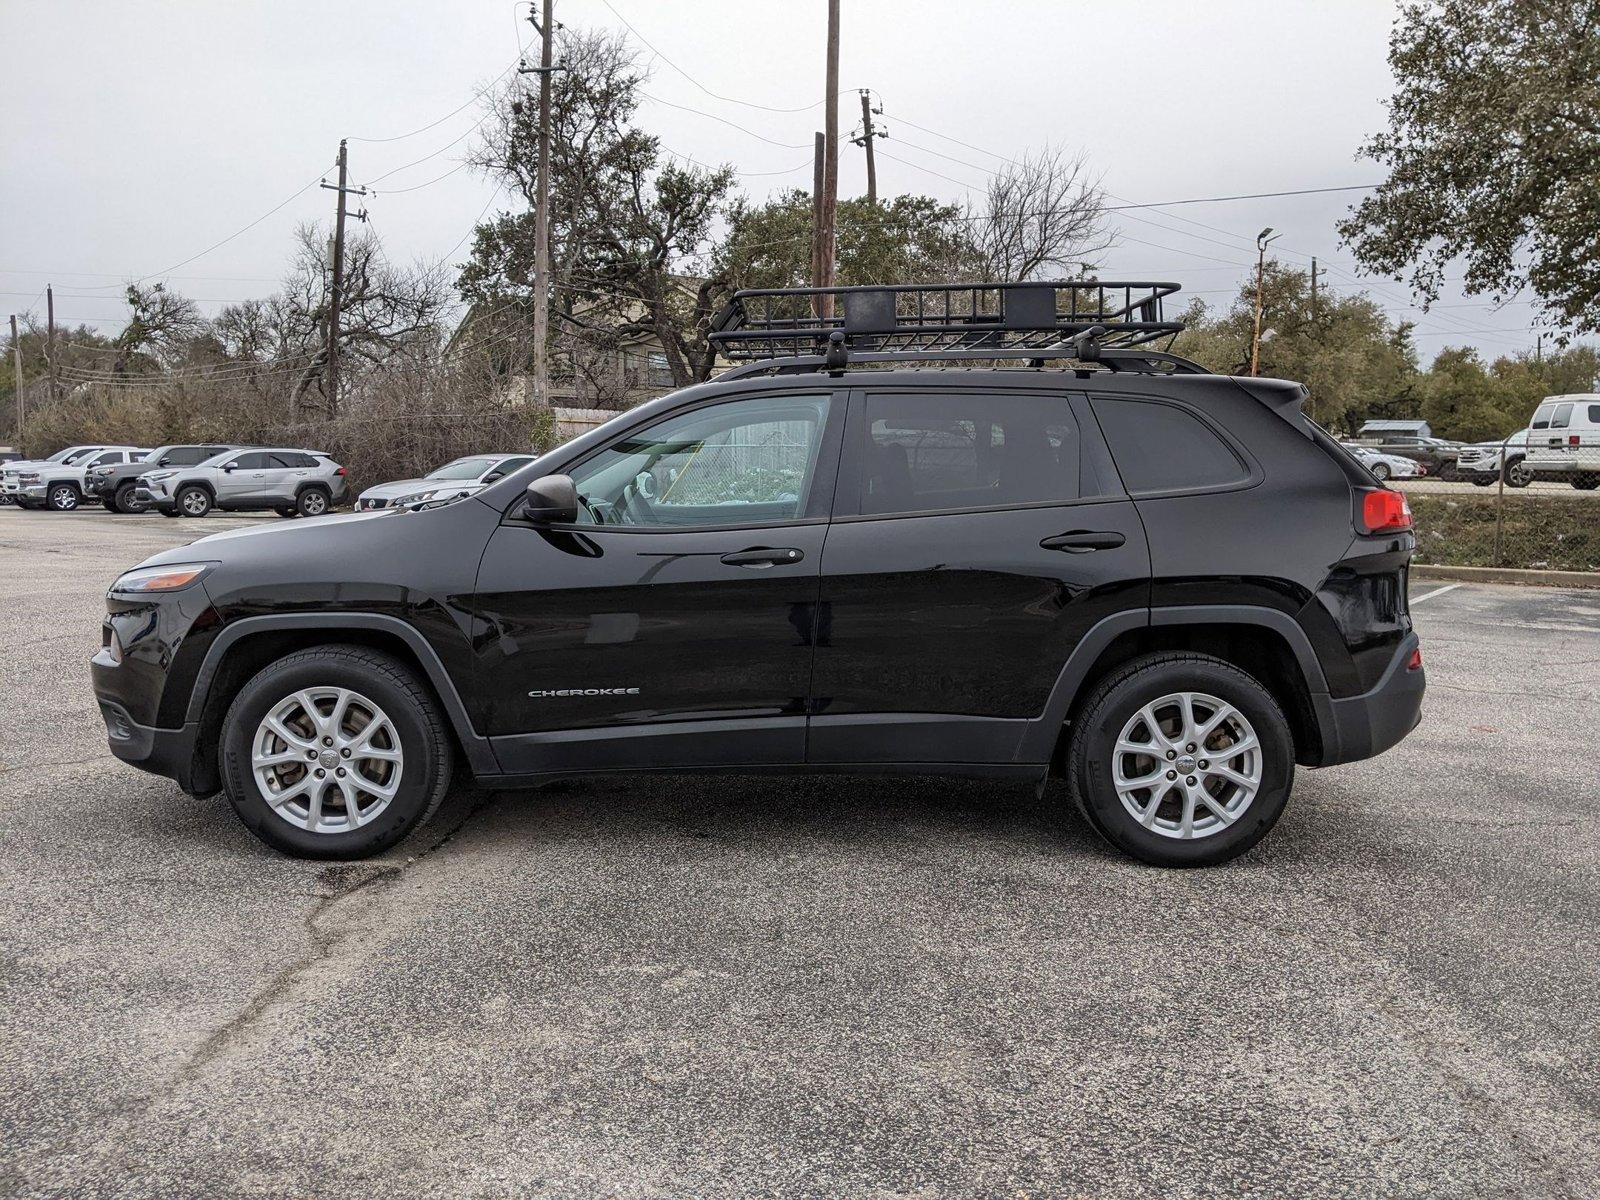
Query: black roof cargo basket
[947, 319]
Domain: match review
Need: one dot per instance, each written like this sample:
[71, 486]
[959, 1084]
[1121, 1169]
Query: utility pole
[541, 216]
[1538, 348]
[50, 340]
[1262, 239]
[865, 140]
[1315, 279]
[16, 362]
[819, 157]
[830, 166]
[336, 291]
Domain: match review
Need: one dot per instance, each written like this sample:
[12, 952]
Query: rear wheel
[1181, 760]
[313, 502]
[193, 501]
[170, 512]
[126, 500]
[335, 752]
[1586, 481]
[64, 497]
[287, 511]
[1381, 471]
[1482, 480]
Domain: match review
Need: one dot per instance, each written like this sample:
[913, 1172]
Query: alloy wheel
[327, 759]
[195, 503]
[1187, 765]
[313, 504]
[63, 498]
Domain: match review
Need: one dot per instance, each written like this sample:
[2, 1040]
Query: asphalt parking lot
[808, 987]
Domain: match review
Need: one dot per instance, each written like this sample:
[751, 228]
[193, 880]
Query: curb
[1577, 579]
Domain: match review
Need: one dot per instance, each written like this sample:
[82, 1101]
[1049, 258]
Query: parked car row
[1561, 443]
[179, 481]
[191, 480]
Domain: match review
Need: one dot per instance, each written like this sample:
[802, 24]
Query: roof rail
[970, 319]
[1138, 359]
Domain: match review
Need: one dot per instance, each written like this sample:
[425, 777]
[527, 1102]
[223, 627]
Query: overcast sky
[138, 134]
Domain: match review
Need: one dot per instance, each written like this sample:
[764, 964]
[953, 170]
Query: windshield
[77, 454]
[61, 455]
[464, 468]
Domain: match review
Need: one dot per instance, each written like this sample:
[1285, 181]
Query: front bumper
[1365, 726]
[169, 753]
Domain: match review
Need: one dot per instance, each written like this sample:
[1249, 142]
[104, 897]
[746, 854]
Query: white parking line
[1449, 587]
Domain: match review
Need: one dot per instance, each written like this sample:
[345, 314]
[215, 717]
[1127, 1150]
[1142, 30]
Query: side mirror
[229, 466]
[552, 500]
[493, 475]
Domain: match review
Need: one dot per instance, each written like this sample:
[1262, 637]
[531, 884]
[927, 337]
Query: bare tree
[1042, 212]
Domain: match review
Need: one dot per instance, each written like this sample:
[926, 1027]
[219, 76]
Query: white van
[1564, 440]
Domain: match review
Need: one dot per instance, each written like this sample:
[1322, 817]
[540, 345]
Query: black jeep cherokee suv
[1169, 587]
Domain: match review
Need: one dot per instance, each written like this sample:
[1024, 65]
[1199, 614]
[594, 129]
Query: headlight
[158, 475]
[144, 580]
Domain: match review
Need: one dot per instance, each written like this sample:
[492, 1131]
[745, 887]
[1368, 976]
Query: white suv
[59, 485]
[1564, 440]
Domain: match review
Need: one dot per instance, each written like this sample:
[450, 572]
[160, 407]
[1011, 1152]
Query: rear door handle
[759, 557]
[1082, 541]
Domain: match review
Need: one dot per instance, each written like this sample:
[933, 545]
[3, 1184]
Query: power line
[216, 245]
[714, 95]
[731, 124]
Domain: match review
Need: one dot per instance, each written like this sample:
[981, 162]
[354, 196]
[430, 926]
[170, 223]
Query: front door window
[741, 463]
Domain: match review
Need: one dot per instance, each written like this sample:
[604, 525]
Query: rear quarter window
[1160, 447]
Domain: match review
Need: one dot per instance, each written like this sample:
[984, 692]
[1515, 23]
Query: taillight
[1574, 440]
[1414, 663]
[341, 471]
[1384, 511]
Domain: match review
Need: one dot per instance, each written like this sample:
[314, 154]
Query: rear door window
[1160, 447]
[933, 452]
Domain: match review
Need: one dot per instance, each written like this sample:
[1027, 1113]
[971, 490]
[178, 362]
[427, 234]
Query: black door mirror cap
[550, 500]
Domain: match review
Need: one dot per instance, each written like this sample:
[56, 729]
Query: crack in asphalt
[324, 944]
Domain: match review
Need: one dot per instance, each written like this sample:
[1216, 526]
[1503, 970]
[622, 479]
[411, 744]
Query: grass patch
[1542, 532]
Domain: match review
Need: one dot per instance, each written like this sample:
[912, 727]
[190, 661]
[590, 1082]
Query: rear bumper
[1365, 726]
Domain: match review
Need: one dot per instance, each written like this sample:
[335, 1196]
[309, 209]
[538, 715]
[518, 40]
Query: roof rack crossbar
[763, 323]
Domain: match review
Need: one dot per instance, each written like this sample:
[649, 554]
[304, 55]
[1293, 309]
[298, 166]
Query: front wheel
[1380, 472]
[64, 497]
[1518, 474]
[1181, 760]
[335, 752]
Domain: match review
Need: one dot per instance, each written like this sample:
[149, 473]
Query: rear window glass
[927, 453]
[1160, 448]
[1562, 418]
[1541, 419]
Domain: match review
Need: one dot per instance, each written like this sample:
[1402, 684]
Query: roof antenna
[837, 355]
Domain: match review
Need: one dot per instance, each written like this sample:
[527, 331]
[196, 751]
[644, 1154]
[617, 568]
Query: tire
[289, 511]
[1482, 480]
[63, 497]
[1115, 707]
[1517, 474]
[376, 683]
[1586, 481]
[1380, 472]
[1448, 472]
[313, 502]
[169, 512]
[125, 502]
[192, 501]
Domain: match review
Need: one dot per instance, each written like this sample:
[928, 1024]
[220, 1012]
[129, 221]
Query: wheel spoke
[352, 803]
[1232, 776]
[383, 791]
[1221, 812]
[1229, 753]
[340, 705]
[1140, 781]
[314, 805]
[276, 724]
[1217, 718]
[279, 799]
[1148, 816]
[376, 755]
[1148, 713]
[276, 759]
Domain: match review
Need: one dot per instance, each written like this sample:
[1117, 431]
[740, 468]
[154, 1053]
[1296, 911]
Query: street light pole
[1262, 239]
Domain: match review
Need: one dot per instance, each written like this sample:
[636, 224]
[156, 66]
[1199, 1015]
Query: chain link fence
[1531, 500]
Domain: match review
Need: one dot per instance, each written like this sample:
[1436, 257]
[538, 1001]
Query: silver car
[464, 475]
[288, 481]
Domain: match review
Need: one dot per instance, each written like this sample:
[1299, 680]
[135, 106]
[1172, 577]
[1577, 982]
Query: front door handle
[759, 557]
[1082, 541]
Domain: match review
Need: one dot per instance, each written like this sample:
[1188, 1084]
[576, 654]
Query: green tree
[1493, 151]
[1345, 351]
